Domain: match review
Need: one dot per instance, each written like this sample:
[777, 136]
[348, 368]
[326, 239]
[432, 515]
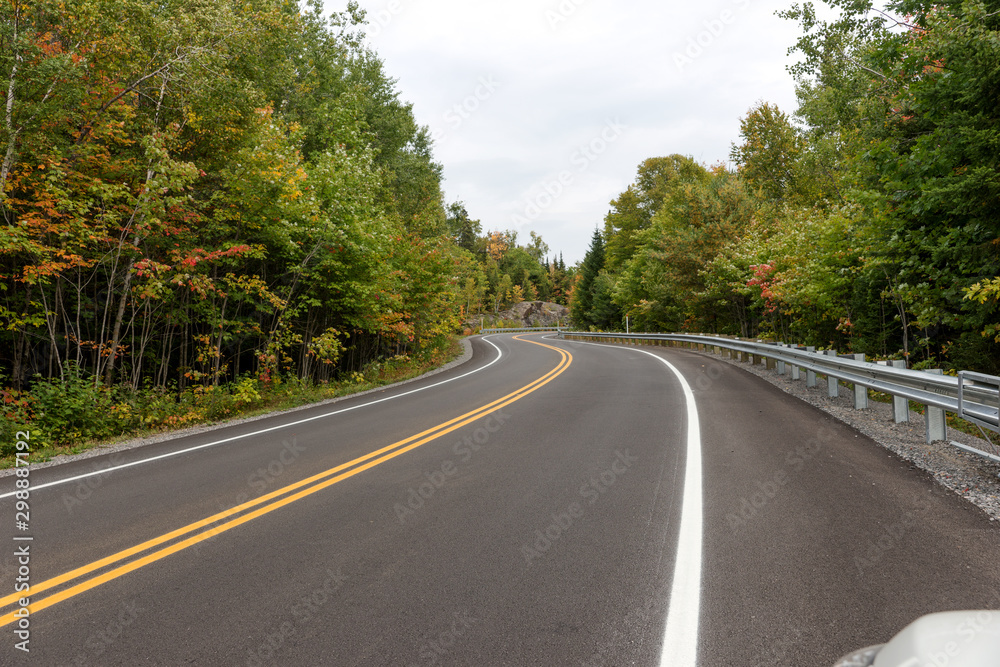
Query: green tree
[767, 157]
[664, 285]
[582, 304]
[633, 210]
[462, 229]
[926, 178]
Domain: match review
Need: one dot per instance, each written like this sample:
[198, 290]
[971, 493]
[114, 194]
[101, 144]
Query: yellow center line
[114, 558]
[387, 453]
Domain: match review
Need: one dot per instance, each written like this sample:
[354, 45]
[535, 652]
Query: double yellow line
[264, 504]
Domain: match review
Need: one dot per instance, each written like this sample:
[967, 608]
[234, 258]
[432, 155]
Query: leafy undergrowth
[74, 415]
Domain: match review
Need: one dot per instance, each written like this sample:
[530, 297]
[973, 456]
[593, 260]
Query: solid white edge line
[680, 637]
[35, 487]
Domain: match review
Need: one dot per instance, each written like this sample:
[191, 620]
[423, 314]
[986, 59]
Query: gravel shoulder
[132, 443]
[973, 477]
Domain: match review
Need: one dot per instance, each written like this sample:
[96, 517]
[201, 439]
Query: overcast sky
[542, 110]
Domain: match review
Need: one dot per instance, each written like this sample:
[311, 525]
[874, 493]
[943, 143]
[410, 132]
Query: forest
[868, 220]
[207, 202]
[204, 199]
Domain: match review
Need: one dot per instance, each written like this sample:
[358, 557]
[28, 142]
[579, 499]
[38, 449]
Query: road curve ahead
[546, 503]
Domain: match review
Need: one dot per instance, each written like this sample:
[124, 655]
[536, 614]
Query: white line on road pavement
[680, 638]
[36, 487]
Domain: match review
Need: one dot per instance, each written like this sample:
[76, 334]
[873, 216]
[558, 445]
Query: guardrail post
[934, 418]
[860, 393]
[781, 364]
[900, 406]
[810, 374]
[832, 384]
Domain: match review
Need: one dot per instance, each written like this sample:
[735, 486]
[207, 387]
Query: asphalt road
[546, 503]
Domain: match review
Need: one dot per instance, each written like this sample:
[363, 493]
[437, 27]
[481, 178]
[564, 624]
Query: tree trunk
[218, 343]
[8, 158]
[117, 328]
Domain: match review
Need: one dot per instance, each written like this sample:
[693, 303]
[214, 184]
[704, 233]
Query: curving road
[546, 503]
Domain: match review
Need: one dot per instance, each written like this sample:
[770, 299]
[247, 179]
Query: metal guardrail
[972, 396]
[519, 330]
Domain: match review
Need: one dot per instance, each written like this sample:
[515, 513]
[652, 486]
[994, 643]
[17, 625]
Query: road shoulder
[133, 443]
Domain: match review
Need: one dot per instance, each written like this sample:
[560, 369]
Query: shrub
[15, 416]
[74, 409]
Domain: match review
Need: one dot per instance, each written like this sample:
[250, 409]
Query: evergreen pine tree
[583, 297]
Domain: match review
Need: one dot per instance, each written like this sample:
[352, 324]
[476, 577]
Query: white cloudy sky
[543, 109]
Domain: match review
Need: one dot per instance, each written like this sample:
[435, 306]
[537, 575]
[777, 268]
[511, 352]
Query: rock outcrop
[524, 314]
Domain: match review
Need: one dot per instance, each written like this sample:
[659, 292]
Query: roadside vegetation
[72, 415]
[213, 208]
[868, 220]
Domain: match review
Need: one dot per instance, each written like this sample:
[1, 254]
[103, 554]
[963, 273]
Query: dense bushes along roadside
[74, 414]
